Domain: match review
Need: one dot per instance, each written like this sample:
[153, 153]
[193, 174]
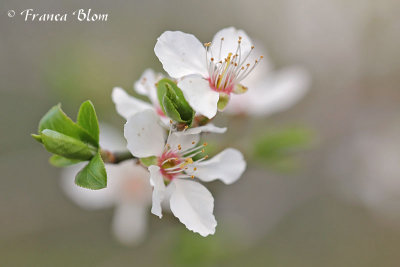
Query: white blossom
[206, 72]
[175, 165]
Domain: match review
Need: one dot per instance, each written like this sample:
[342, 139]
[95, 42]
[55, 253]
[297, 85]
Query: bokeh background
[339, 208]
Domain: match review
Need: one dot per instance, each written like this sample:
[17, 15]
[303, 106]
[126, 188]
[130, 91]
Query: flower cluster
[207, 75]
[167, 156]
[202, 79]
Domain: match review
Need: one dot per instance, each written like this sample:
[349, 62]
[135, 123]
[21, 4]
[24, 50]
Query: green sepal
[59, 161]
[55, 119]
[66, 146]
[93, 175]
[87, 119]
[173, 103]
[223, 101]
[37, 137]
[152, 160]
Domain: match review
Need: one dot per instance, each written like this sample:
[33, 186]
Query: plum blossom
[128, 190]
[210, 72]
[127, 105]
[270, 91]
[174, 166]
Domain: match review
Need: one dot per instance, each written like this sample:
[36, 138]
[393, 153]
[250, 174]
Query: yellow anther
[222, 38]
[212, 59]
[252, 47]
[187, 161]
[195, 169]
[202, 150]
[192, 176]
[206, 157]
[186, 127]
[193, 142]
[170, 121]
[207, 44]
[179, 147]
[261, 57]
[205, 144]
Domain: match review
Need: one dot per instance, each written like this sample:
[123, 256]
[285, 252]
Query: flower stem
[115, 157]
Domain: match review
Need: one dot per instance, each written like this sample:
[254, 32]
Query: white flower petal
[145, 82]
[200, 96]
[230, 42]
[186, 141]
[146, 85]
[276, 92]
[193, 205]
[157, 181]
[280, 91]
[127, 105]
[181, 54]
[209, 128]
[144, 134]
[227, 166]
[130, 222]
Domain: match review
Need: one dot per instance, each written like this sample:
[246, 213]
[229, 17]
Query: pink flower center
[169, 160]
[178, 162]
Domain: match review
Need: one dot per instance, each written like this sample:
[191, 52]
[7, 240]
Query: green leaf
[59, 161]
[170, 110]
[55, 119]
[94, 175]
[66, 146]
[37, 137]
[173, 103]
[87, 119]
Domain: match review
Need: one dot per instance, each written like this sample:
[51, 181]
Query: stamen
[225, 73]
[168, 160]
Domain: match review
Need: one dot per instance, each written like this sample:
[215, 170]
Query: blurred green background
[340, 208]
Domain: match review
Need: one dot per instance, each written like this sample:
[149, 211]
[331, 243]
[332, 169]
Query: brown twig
[115, 157]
